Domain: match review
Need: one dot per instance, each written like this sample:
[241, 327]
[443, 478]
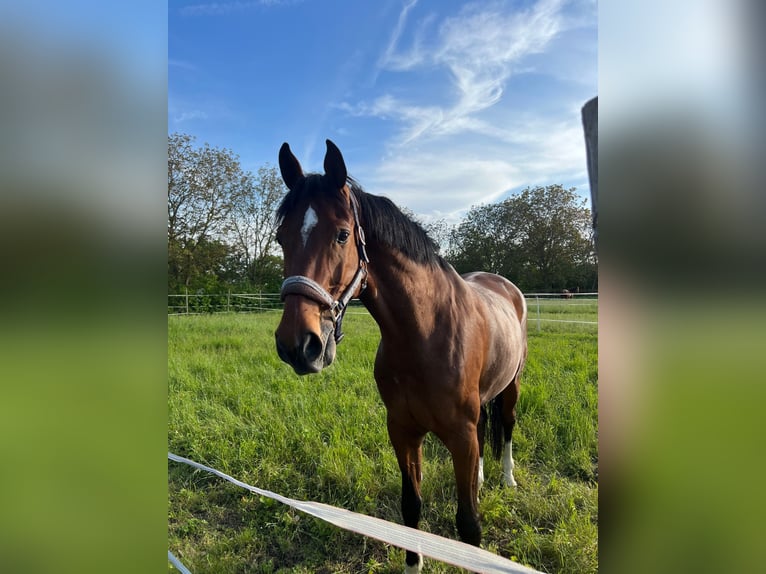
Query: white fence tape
[568, 321]
[177, 563]
[442, 549]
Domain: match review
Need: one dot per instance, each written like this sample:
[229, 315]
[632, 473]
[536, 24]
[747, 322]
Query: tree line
[221, 229]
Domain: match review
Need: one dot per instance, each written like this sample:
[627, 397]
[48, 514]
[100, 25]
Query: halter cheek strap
[307, 287]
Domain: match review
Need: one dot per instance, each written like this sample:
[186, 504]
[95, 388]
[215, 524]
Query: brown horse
[449, 344]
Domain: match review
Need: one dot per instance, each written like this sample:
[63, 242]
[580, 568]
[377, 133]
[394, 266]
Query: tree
[557, 237]
[253, 228]
[486, 240]
[210, 266]
[205, 186]
[437, 229]
[540, 239]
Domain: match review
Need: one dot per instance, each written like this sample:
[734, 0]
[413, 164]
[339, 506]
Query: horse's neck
[405, 297]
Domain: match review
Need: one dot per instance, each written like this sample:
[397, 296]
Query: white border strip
[450, 551]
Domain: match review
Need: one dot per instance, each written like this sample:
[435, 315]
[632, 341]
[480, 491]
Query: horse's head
[325, 260]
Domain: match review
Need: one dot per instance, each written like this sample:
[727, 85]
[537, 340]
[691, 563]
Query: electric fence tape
[177, 563]
[443, 549]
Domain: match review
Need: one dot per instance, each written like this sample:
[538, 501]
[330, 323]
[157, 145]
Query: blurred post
[590, 125]
[83, 399]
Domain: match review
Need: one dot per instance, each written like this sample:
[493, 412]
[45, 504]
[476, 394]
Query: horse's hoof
[415, 568]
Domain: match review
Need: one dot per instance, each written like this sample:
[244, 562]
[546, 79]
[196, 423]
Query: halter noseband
[307, 287]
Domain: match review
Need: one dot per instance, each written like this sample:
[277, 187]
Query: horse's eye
[343, 236]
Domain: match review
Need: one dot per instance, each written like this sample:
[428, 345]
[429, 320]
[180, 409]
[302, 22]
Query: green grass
[234, 406]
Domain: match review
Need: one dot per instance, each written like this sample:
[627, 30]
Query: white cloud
[222, 8]
[445, 180]
[424, 181]
[190, 115]
[478, 49]
[181, 64]
[388, 58]
[445, 157]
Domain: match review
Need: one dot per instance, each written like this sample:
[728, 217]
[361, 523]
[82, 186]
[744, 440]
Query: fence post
[187, 299]
[228, 302]
[537, 298]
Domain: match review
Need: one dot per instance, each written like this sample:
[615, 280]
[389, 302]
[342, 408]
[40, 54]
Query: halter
[307, 287]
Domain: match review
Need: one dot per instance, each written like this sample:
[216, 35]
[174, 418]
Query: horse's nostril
[282, 350]
[305, 357]
[311, 347]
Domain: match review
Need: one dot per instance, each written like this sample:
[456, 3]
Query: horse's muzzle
[310, 354]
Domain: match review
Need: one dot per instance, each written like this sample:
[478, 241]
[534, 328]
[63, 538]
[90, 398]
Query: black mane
[383, 221]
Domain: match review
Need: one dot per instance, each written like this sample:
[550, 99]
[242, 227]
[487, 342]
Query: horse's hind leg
[481, 431]
[409, 454]
[509, 396]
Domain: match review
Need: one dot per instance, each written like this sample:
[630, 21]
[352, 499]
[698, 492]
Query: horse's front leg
[407, 444]
[464, 446]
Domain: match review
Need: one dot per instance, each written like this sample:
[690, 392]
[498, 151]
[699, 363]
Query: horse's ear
[289, 167]
[334, 166]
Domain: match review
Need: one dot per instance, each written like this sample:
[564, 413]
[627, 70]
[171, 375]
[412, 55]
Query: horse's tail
[496, 425]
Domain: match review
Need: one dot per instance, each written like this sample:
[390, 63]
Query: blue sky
[437, 104]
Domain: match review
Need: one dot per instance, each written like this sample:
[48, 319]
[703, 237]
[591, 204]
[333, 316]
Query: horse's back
[502, 287]
[506, 320]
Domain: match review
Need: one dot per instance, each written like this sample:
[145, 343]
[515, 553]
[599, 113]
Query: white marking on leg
[481, 471]
[508, 465]
[415, 568]
[309, 221]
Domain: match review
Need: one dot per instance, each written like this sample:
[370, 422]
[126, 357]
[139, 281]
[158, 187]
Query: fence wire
[538, 304]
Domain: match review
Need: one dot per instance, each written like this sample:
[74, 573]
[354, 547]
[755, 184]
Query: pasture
[235, 406]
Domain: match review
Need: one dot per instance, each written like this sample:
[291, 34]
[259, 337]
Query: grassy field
[234, 406]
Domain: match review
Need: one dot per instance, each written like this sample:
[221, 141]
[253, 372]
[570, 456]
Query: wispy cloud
[478, 51]
[446, 180]
[181, 64]
[388, 59]
[418, 118]
[190, 115]
[442, 184]
[223, 8]
[481, 47]
[478, 48]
